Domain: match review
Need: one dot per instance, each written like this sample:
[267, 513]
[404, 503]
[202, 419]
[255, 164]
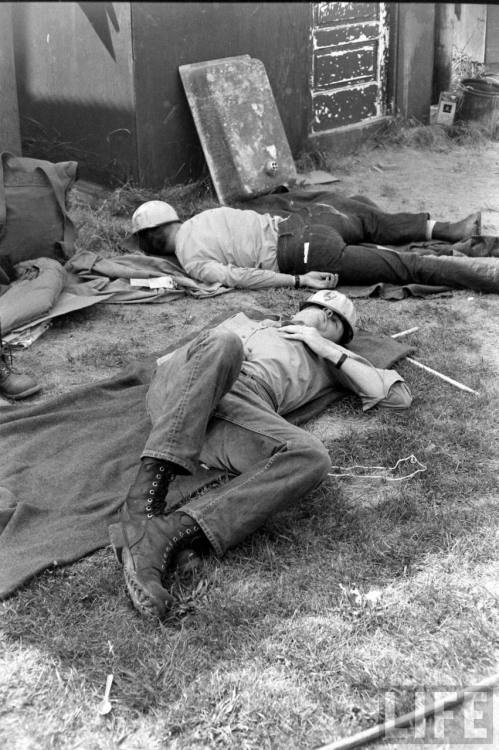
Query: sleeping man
[222, 401]
[314, 246]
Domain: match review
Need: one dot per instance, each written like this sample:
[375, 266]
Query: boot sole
[142, 599]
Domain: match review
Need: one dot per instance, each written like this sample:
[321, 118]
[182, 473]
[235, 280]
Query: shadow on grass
[297, 566]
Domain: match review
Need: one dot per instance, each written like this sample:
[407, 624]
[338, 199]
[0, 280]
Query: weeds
[411, 133]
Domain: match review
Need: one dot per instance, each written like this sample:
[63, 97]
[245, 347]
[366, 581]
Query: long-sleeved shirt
[235, 247]
[295, 375]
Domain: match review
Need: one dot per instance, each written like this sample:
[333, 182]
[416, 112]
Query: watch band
[297, 282]
[339, 363]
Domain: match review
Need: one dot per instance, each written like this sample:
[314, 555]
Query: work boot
[146, 541]
[13, 384]
[187, 563]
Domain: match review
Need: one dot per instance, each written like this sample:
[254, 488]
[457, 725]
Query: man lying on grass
[221, 402]
[315, 247]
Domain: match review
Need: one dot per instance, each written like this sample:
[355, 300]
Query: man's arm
[256, 278]
[374, 386]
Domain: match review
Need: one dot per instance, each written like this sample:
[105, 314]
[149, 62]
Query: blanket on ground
[90, 273]
[67, 463]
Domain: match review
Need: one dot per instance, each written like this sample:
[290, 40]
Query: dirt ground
[90, 345]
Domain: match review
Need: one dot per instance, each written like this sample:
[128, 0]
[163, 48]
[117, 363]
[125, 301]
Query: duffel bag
[34, 221]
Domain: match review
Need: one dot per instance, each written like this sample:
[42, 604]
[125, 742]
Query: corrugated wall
[166, 35]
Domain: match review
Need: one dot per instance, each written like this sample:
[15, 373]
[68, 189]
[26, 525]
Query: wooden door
[349, 64]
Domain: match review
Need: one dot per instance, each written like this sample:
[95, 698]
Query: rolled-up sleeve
[388, 389]
[397, 393]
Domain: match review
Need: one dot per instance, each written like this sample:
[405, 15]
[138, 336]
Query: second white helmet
[151, 214]
[338, 303]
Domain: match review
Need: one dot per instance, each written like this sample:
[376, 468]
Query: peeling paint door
[350, 47]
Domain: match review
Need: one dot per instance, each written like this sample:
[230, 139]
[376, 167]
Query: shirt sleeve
[396, 394]
[232, 276]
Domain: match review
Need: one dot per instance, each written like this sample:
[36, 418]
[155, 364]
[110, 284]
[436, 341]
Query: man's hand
[313, 339]
[319, 280]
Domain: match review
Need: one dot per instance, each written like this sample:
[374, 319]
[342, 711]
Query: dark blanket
[67, 464]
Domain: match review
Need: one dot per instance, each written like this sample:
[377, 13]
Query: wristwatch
[339, 363]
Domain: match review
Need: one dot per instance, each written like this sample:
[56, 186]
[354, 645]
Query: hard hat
[338, 303]
[152, 214]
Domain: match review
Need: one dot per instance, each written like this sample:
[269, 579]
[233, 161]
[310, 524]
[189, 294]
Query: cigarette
[306, 245]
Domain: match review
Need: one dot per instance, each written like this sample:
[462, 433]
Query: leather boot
[147, 542]
[14, 385]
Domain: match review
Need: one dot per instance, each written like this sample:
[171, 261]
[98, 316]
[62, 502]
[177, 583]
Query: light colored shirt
[235, 247]
[296, 375]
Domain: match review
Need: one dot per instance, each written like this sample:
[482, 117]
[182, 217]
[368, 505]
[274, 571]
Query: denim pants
[204, 409]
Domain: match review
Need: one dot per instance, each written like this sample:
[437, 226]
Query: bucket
[479, 102]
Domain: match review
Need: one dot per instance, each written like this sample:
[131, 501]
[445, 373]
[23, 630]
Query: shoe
[13, 384]
[147, 550]
[146, 541]
[187, 563]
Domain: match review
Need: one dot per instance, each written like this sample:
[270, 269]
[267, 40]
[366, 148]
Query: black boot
[14, 385]
[147, 542]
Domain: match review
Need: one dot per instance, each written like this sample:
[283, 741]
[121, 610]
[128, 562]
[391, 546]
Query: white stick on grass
[456, 383]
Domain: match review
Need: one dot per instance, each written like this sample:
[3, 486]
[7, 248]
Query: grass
[290, 640]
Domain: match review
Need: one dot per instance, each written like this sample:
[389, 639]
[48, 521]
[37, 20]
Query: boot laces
[155, 504]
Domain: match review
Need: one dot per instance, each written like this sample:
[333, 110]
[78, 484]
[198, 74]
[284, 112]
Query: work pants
[325, 230]
[368, 265]
[307, 246]
[204, 409]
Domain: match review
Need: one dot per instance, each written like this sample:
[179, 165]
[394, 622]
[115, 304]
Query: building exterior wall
[415, 58]
[166, 35]
[99, 82]
[459, 43]
[75, 85]
[492, 38]
[10, 133]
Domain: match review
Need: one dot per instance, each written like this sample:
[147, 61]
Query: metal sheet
[239, 127]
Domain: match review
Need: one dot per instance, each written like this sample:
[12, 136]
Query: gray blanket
[67, 464]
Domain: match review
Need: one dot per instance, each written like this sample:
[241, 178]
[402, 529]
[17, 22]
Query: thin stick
[430, 369]
[406, 720]
[403, 333]
[443, 377]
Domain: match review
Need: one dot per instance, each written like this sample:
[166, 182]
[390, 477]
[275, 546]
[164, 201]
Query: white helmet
[338, 303]
[152, 214]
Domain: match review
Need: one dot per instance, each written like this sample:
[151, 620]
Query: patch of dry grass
[411, 133]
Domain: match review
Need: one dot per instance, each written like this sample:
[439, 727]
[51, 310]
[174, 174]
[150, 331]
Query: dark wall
[75, 86]
[10, 133]
[166, 35]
